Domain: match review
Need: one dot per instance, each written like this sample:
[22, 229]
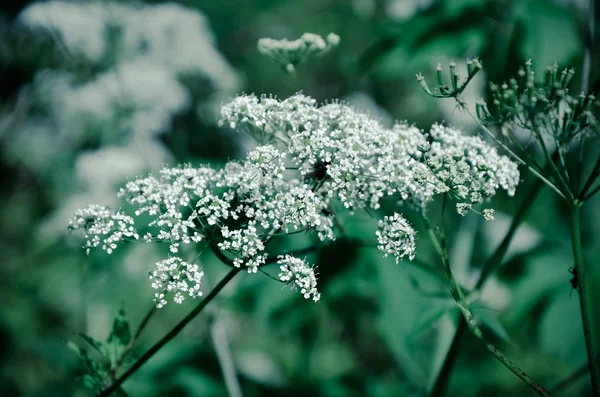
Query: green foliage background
[381, 329]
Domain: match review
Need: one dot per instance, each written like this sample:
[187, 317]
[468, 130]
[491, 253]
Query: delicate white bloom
[290, 53]
[177, 277]
[299, 274]
[488, 214]
[396, 237]
[103, 226]
[351, 155]
[468, 168]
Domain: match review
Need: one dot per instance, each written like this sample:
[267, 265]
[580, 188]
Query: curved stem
[443, 378]
[457, 294]
[584, 299]
[136, 335]
[170, 335]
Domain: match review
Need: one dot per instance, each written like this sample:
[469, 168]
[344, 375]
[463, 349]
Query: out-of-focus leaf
[561, 330]
[489, 320]
[453, 8]
[551, 33]
[447, 330]
[94, 343]
[196, 384]
[431, 316]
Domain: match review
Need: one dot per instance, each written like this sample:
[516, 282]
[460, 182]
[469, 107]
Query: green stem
[138, 332]
[167, 338]
[457, 294]
[443, 378]
[514, 155]
[584, 299]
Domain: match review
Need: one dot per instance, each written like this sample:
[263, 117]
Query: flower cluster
[299, 274]
[104, 226]
[174, 275]
[290, 53]
[396, 237]
[352, 156]
[467, 168]
[237, 206]
[314, 155]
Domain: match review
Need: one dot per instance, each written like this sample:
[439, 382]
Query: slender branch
[170, 335]
[591, 193]
[457, 294]
[562, 180]
[514, 155]
[136, 335]
[443, 378]
[592, 178]
[584, 299]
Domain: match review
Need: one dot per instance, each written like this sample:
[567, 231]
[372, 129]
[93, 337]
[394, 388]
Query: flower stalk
[584, 298]
[458, 295]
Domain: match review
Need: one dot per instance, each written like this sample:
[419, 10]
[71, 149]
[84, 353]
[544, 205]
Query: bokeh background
[93, 94]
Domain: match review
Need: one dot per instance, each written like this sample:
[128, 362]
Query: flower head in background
[290, 53]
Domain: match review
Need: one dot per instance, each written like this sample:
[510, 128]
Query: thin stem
[584, 299]
[590, 194]
[515, 156]
[592, 178]
[549, 161]
[443, 378]
[170, 335]
[136, 335]
[457, 294]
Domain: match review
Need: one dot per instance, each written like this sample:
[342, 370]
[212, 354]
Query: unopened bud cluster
[546, 107]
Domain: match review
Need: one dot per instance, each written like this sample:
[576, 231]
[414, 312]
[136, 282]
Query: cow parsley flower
[290, 53]
[467, 168]
[299, 274]
[176, 277]
[396, 237]
[350, 155]
[103, 226]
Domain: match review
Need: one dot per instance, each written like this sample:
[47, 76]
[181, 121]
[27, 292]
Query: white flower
[300, 275]
[103, 226]
[396, 237]
[175, 276]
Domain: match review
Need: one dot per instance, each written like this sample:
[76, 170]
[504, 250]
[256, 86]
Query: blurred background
[93, 94]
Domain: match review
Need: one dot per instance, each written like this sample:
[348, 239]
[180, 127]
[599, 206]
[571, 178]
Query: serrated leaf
[98, 346]
[91, 366]
[120, 335]
[89, 381]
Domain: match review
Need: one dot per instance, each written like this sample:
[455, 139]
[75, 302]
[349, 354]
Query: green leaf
[432, 316]
[120, 336]
[551, 33]
[93, 368]
[98, 346]
[491, 321]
